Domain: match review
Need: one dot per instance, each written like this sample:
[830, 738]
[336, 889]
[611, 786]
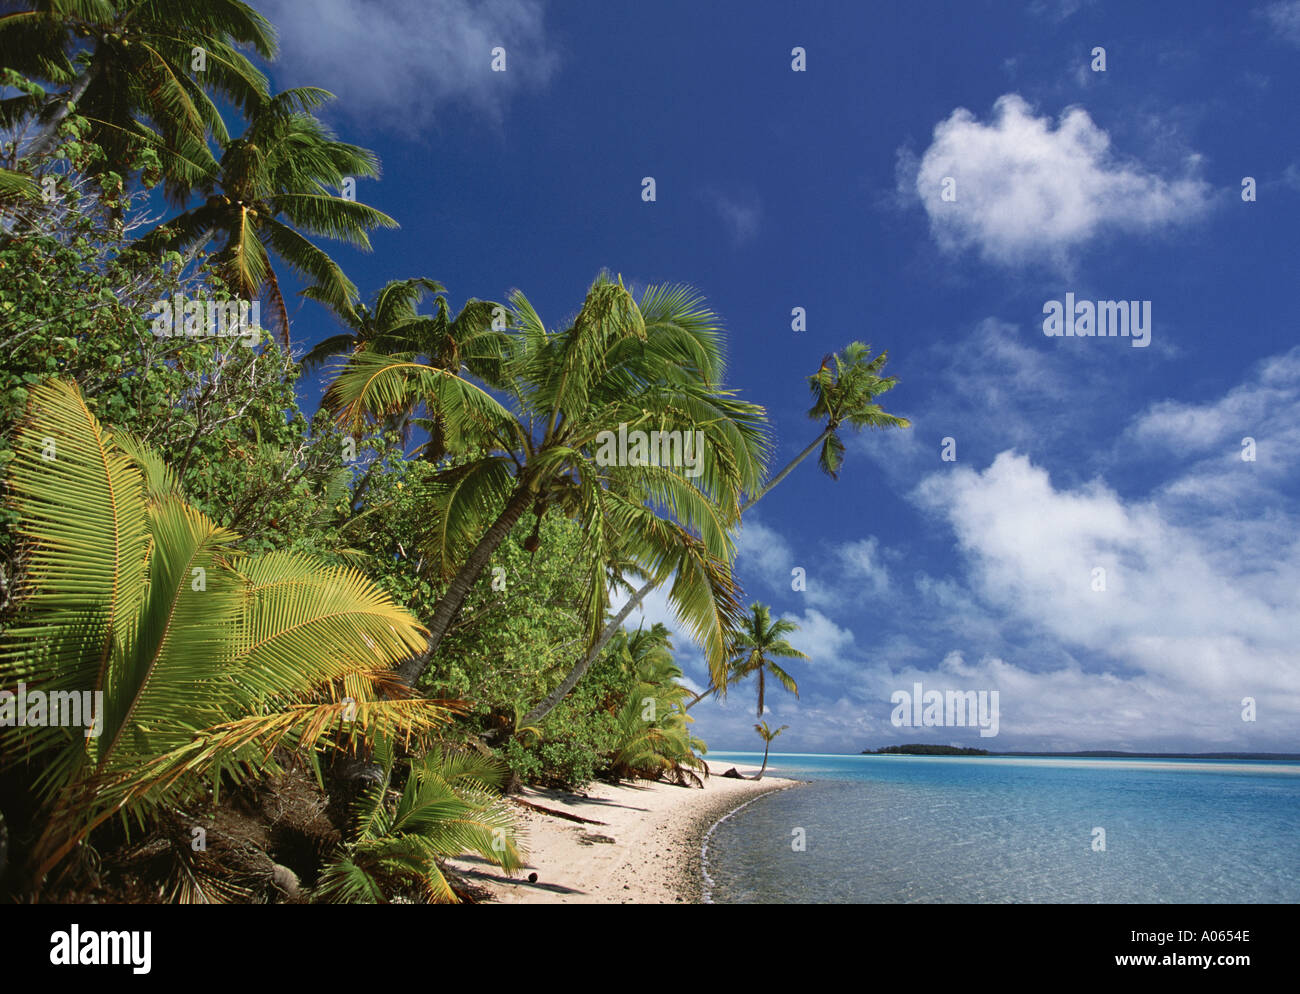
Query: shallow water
[894, 829]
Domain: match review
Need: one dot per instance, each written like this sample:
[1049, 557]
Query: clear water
[914, 829]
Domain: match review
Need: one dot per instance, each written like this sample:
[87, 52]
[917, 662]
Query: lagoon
[932, 829]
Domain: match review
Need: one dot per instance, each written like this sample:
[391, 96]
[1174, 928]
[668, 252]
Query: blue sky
[822, 189]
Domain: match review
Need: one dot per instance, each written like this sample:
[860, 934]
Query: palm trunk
[450, 602]
[50, 131]
[767, 744]
[553, 699]
[785, 472]
[761, 674]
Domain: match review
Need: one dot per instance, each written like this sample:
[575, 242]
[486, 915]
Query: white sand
[647, 851]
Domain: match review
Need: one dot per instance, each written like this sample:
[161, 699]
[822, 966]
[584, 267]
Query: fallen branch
[555, 814]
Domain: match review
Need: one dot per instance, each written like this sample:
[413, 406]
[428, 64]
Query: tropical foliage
[449, 805]
[272, 185]
[202, 662]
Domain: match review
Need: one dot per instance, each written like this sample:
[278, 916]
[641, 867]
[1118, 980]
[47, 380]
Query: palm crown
[127, 67]
[757, 644]
[274, 183]
[846, 395]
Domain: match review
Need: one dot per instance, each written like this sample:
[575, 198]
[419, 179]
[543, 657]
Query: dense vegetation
[321, 648]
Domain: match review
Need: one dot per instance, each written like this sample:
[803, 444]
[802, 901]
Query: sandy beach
[639, 845]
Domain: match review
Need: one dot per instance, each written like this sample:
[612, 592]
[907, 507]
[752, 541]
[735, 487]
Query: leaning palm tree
[845, 396]
[757, 644]
[128, 68]
[648, 364]
[767, 734]
[208, 662]
[273, 189]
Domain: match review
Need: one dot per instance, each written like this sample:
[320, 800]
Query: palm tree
[757, 643]
[449, 805]
[767, 735]
[208, 661]
[654, 730]
[126, 67]
[846, 396]
[273, 184]
[652, 364]
[392, 325]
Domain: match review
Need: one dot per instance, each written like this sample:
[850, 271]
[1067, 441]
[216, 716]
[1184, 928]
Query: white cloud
[763, 553]
[403, 61]
[823, 641]
[1056, 10]
[1284, 17]
[1178, 604]
[1266, 409]
[864, 561]
[1028, 191]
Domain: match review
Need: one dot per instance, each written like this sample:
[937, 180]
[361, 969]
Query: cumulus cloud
[1026, 190]
[403, 61]
[1178, 603]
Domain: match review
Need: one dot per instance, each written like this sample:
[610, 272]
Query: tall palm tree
[767, 735]
[208, 661]
[845, 396]
[653, 364]
[757, 644]
[126, 66]
[272, 185]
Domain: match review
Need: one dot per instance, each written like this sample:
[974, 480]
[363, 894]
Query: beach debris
[553, 813]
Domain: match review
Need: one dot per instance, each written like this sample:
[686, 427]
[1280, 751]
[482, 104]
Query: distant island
[918, 749]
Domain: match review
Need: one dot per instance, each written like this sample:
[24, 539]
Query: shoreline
[636, 842]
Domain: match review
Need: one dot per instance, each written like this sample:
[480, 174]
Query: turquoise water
[914, 829]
